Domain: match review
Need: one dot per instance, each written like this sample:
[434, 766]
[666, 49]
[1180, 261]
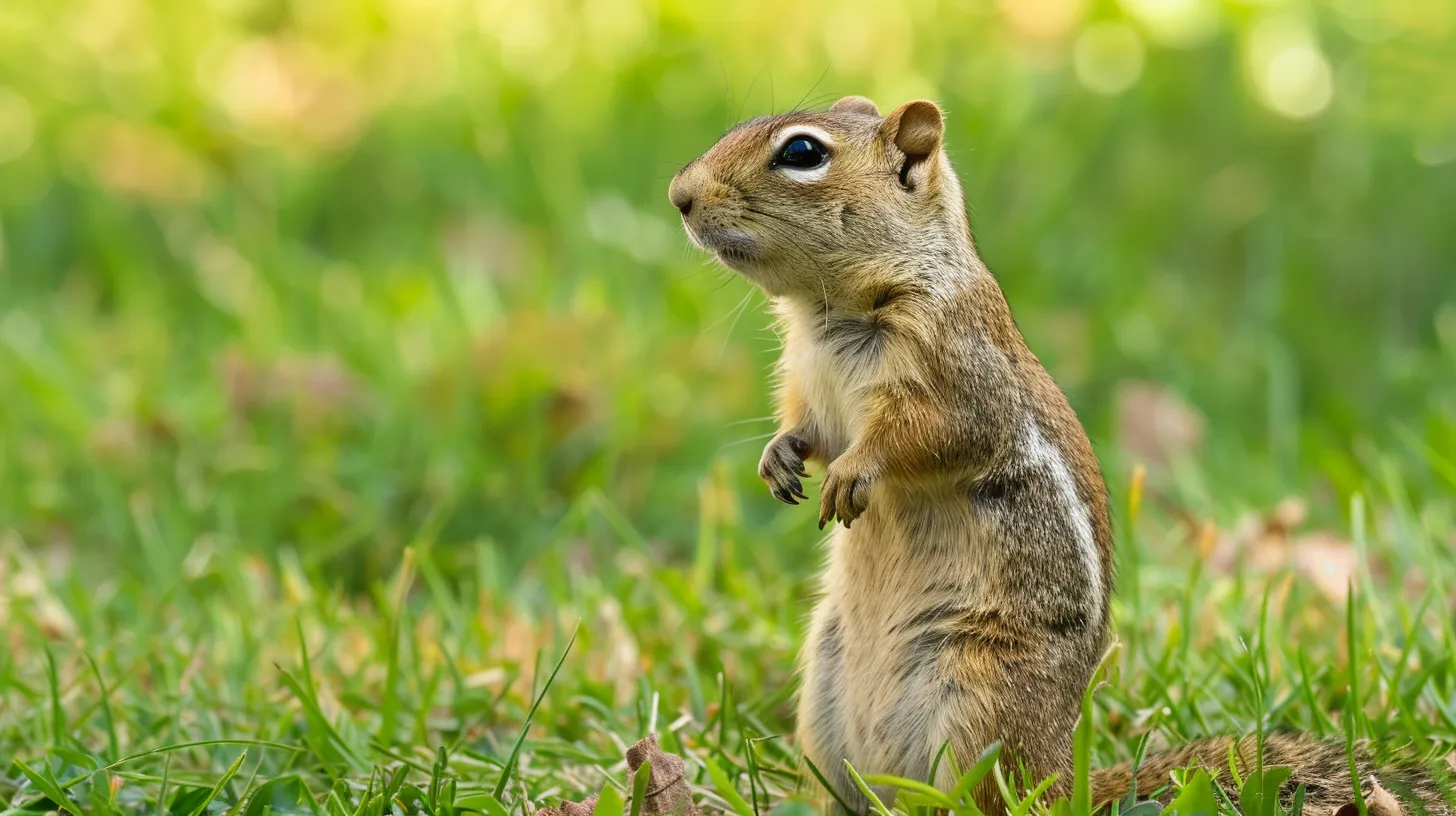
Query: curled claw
[828, 503]
[785, 495]
[782, 466]
[845, 495]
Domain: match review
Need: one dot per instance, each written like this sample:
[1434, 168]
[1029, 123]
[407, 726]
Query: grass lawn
[224, 681]
[351, 362]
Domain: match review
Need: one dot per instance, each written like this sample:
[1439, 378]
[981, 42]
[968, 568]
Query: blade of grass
[814, 769]
[930, 792]
[510, 767]
[221, 783]
[868, 792]
[724, 787]
[609, 801]
[1352, 705]
[53, 686]
[112, 743]
[47, 784]
[640, 781]
[978, 772]
[389, 705]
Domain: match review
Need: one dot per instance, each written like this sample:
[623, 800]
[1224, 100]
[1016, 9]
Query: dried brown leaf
[586, 807]
[1155, 424]
[1327, 561]
[1263, 544]
[668, 791]
[1378, 802]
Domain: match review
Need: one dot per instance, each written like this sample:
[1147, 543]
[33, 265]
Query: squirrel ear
[915, 128]
[855, 104]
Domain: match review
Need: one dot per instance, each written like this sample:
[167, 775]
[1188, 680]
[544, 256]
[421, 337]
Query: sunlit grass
[236, 660]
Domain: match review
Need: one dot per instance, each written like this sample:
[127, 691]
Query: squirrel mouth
[734, 249]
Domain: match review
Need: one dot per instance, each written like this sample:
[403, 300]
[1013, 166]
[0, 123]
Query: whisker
[742, 307]
[739, 305]
[816, 101]
[720, 286]
[768, 435]
[826, 303]
[700, 270]
[749, 92]
[736, 422]
[728, 90]
[815, 85]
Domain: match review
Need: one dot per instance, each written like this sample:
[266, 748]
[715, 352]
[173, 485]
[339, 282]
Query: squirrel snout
[686, 186]
[680, 193]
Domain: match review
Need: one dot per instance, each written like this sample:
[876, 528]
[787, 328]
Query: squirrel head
[806, 202]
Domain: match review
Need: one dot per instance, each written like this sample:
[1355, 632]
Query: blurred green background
[313, 276]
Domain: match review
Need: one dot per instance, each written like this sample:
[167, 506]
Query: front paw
[782, 465]
[846, 491]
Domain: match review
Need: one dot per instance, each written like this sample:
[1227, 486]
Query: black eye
[802, 152]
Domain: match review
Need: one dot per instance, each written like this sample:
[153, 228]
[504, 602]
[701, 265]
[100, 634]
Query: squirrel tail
[1322, 766]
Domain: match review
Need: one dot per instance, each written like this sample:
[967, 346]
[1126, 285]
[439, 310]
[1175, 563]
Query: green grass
[331, 412]
[148, 695]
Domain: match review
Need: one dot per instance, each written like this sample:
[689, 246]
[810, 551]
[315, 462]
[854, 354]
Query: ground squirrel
[966, 594]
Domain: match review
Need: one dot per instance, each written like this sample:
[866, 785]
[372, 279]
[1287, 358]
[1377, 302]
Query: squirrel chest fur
[965, 600]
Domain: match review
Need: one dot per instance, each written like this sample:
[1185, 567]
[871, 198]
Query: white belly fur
[884, 559]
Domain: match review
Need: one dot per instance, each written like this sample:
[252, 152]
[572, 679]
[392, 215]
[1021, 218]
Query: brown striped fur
[967, 589]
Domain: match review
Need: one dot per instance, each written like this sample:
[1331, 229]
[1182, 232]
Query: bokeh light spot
[1180, 23]
[1291, 75]
[1435, 147]
[17, 125]
[1043, 19]
[1108, 57]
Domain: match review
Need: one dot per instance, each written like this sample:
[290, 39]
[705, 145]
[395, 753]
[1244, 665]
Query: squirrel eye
[802, 152]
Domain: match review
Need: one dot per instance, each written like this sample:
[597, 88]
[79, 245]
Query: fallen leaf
[309, 385]
[1327, 561]
[584, 808]
[1263, 544]
[1289, 513]
[1154, 424]
[1378, 802]
[668, 791]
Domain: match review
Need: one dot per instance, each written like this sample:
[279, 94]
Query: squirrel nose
[681, 191]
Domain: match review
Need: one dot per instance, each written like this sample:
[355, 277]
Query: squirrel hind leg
[822, 730]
